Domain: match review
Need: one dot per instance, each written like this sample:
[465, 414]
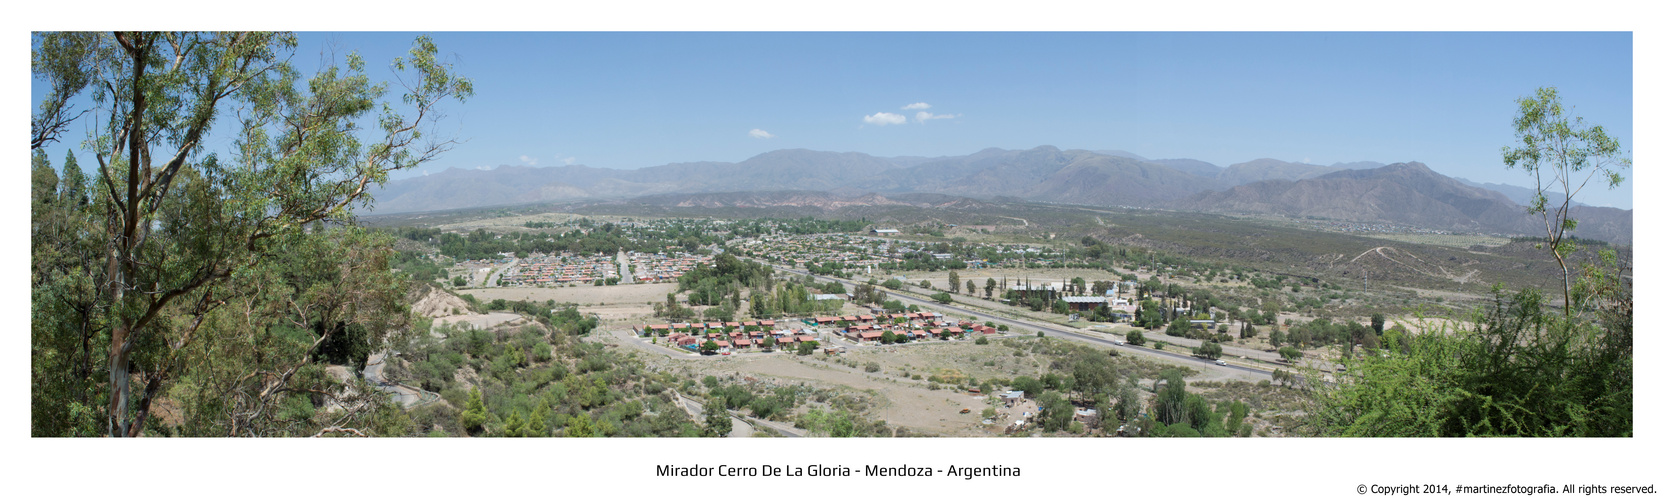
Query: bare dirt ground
[909, 403]
[618, 304]
[487, 320]
[438, 303]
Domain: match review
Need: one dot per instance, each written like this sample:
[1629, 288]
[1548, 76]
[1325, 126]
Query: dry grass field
[613, 304]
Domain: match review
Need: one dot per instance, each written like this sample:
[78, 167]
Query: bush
[871, 367]
[982, 341]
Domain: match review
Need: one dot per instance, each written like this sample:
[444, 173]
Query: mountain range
[1401, 193]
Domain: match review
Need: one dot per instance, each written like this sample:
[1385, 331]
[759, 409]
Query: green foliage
[1210, 350]
[942, 298]
[717, 421]
[1513, 370]
[514, 426]
[1135, 337]
[726, 276]
[1170, 400]
[580, 425]
[1291, 353]
[1029, 385]
[198, 259]
[474, 417]
[1055, 411]
[835, 424]
[1560, 149]
[1180, 327]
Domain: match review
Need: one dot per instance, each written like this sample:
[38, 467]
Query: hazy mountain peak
[1120, 153]
[1358, 165]
[1270, 168]
[1190, 166]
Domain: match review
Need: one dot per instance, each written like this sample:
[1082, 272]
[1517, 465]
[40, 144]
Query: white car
[1219, 362]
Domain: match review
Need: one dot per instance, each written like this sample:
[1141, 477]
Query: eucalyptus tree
[185, 231]
[1561, 152]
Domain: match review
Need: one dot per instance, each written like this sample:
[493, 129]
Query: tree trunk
[1565, 281]
[122, 254]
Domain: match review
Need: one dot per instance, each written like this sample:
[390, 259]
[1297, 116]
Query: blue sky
[631, 100]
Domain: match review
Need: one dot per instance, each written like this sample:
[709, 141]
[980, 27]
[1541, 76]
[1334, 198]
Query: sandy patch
[439, 303]
[487, 320]
[907, 403]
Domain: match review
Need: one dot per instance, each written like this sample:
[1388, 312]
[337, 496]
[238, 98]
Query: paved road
[1052, 330]
[624, 275]
[741, 427]
[491, 279]
[404, 395]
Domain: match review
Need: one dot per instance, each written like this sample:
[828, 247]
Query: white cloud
[482, 167]
[528, 160]
[761, 134]
[925, 115]
[882, 118]
[569, 160]
[916, 105]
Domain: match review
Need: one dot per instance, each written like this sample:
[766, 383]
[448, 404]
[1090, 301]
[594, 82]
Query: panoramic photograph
[1077, 237]
[267, 234]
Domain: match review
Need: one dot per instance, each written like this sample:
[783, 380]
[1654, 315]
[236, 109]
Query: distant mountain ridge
[1269, 169]
[1406, 193]
[1401, 193]
[1520, 195]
